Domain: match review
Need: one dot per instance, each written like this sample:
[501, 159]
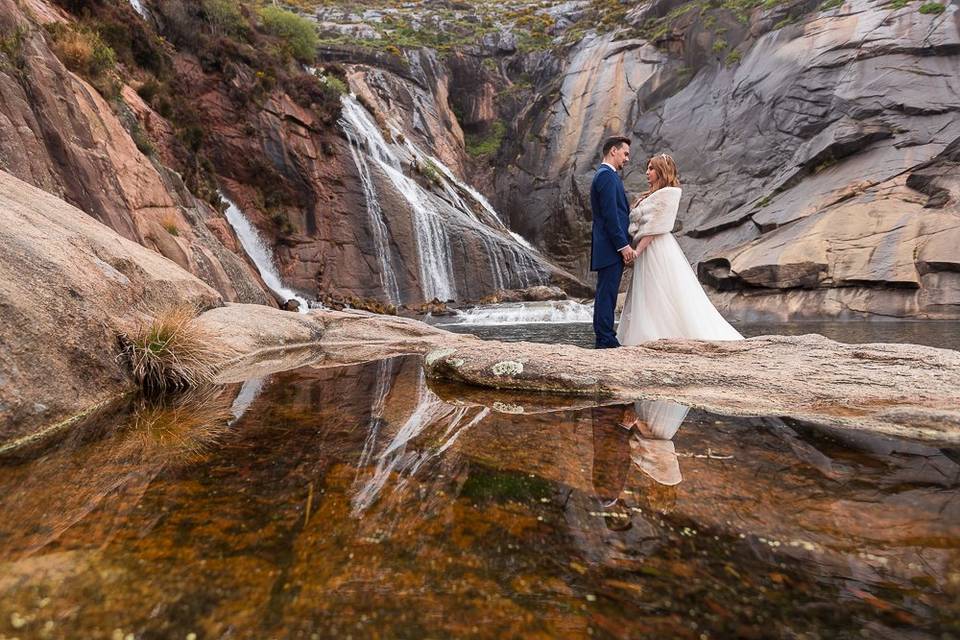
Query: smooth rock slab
[890, 388]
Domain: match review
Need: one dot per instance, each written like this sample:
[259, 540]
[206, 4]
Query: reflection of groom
[610, 247]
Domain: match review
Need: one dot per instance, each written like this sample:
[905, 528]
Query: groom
[610, 248]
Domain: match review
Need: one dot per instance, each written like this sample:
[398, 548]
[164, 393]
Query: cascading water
[139, 8]
[258, 250]
[456, 206]
[388, 278]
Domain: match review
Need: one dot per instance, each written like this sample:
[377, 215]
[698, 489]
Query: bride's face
[652, 176]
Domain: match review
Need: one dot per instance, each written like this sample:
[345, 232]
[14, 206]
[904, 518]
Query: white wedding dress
[665, 299]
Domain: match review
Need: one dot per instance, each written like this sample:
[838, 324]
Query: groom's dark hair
[614, 141]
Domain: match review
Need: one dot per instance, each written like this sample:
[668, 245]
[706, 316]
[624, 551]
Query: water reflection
[362, 501]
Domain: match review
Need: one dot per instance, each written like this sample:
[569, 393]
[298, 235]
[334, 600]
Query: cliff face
[818, 159]
[214, 104]
[814, 141]
[817, 146]
[58, 133]
[69, 286]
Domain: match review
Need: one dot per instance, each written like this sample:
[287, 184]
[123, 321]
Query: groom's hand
[629, 255]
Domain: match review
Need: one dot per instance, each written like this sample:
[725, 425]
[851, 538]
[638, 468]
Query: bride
[665, 299]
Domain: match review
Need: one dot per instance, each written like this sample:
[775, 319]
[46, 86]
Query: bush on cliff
[298, 35]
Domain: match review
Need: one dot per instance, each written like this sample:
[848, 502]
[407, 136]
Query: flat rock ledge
[897, 389]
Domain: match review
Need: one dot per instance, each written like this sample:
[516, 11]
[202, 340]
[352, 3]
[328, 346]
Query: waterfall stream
[437, 217]
[139, 8]
[259, 251]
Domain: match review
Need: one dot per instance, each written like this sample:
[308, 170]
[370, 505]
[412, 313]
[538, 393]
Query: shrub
[83, 51]
[719, 45]
[142, 141]
[482, 145]
[11, 46]
[172, 352]
[934, 8]
[337, 85]
[225, 18]
[298, 34]
[734, 57]
[828, 5]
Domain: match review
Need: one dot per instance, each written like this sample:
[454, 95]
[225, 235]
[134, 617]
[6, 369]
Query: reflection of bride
[651, 444]
[616, 524]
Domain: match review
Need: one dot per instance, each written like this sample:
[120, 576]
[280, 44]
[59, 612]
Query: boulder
[68, 286]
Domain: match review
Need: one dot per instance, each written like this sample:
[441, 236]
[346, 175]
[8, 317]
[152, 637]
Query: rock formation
[58, 133]
[68, 286]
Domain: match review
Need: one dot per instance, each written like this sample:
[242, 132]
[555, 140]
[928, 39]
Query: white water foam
[139, 8]
[562, 311]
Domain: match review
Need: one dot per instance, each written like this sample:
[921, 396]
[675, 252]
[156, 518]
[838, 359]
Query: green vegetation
[171, 352]
[82, 50]
[934, 8]
[141, 140]
[733, 58]
[11, 46]
[225, 18]
[297, 34]
[788, 20]
[431, 172]
[169, 224]
[719, 45]
[828, 5]
[487, 143]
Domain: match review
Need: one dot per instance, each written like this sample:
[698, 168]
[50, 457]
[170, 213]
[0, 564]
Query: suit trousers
[604, 305]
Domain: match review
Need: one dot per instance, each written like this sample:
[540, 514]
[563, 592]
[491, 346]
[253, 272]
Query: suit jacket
[611, 217]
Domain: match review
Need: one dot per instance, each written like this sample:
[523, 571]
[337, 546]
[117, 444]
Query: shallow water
[364, 502]
[944, 335]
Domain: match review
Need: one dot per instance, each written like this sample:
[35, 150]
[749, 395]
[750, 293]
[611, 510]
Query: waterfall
[258, 250]
[139, 8]
[381, 240]
[437, 217]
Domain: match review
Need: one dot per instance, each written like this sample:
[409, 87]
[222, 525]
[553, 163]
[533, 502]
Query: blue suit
[611, 218]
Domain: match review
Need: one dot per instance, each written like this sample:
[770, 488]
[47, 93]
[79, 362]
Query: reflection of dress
[665, 299]
[651, 446]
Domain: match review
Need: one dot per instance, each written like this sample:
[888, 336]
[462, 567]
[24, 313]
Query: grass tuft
[172, 352]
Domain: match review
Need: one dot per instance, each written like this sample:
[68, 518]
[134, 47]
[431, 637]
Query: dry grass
[169, 223]
[172, 352]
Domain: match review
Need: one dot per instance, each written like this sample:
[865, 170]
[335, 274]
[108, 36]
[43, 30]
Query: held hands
[629, 255]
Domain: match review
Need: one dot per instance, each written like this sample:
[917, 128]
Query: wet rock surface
[870, 387]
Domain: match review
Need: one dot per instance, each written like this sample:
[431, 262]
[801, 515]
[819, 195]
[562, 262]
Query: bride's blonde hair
[667, 174]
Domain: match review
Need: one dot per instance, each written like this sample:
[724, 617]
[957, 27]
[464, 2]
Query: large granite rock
[840, 121]
[68, 286]
[58, 133]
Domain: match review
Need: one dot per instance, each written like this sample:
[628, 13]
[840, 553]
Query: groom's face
[619, 156]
